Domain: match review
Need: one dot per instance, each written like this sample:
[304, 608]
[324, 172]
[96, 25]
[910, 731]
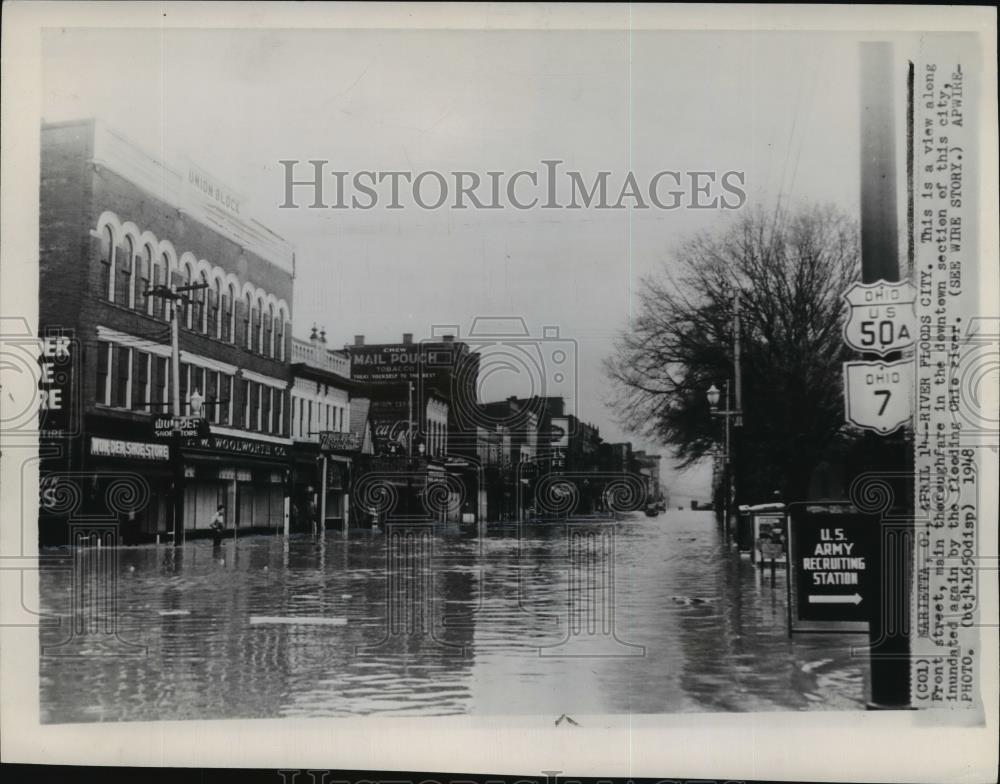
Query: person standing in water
[218, 525]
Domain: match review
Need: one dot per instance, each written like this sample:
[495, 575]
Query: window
[212, 395]
[247, 315]
[107, 263]
[212, 323]
[309, 421]
[198, 381]
[103, 363]
[268, 347]
[124, 257]
[279, 331]
[246, 404]
[297, 401]
[161, 385]
[184, 369]
[187, 278]
[228, 302]
[253, 409]
[158, 305]
[121, 359]
[265, 409]
[281, 413]
[226, 402]
[140, 381]
[198, 305]
[255, 310]
[142, 272]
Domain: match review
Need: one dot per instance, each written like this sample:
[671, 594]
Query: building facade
[418, 405]
[324, 446]
[115, 224]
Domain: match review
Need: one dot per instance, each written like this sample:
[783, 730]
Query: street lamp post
[728, 413]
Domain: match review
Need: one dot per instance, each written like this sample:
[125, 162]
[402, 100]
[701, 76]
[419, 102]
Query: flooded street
[443, 623]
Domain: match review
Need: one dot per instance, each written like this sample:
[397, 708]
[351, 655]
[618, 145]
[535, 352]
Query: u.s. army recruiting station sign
[831, 553]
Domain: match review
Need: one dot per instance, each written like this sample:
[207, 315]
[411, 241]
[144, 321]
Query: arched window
[268, 347]
[279, 350]
[247, 320]
[258, 327]
[158, 305]
[199, 311]
[280, 335]
[123, 273]
[228, 311]
[107, 264]
[142, 279]
[186, 304]
[214, 297]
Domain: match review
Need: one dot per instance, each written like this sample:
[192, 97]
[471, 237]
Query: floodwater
[643, 615]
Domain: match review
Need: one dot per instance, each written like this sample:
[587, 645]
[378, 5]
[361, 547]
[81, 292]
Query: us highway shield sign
[880, 317]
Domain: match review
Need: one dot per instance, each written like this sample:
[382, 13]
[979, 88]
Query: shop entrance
[259, 504]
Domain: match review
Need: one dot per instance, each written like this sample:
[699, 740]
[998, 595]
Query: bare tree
[790, 270]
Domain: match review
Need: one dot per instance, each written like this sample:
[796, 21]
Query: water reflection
[431, 624]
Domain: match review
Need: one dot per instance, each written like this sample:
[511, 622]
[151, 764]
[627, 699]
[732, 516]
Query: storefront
[315, 498]
[118, 472]
[248, 477]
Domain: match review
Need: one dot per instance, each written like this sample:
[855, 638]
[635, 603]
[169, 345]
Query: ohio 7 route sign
[880, 317]
[878, 395]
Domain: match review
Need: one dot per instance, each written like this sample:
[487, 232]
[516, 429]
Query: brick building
[114, 222]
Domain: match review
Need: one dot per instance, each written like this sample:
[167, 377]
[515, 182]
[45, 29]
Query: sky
[781, 108]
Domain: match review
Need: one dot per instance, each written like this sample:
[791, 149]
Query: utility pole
[409, 446]
[409, 420]
[175, 359]
[322, 498]
[737, 359]
[889, 621]
[176, 295]
[736, 448]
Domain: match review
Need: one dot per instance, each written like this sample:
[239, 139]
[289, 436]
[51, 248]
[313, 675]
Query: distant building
[324, 443]
[434, 381]
[421, 411]
[648, 467]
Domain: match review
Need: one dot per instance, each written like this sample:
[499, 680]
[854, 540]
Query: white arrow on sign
[879, 395]
[854, 598]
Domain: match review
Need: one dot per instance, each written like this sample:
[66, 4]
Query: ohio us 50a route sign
[880, 317]
[879, 395]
